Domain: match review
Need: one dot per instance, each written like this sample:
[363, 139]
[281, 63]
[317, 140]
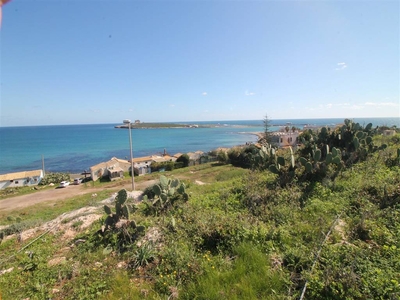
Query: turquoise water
[74, 148]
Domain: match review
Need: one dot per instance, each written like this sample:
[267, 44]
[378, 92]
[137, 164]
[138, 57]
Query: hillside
[274, 230]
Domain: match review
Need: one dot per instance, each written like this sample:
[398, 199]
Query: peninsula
[143, 125]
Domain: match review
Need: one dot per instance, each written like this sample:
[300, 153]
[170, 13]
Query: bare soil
[56, 194]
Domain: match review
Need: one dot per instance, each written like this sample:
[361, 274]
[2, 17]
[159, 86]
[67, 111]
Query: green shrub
[55, 178]
[184, 159]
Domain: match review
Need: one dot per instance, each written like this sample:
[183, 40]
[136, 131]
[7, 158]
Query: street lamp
[130, 144]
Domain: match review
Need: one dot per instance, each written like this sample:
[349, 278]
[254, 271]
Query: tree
[184, 158]
[267, 130]
[222, 157]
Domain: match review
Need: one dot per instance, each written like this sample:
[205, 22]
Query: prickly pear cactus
[122, 209]
[165, 193]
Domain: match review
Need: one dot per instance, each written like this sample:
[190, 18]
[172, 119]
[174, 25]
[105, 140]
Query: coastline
[74, 148]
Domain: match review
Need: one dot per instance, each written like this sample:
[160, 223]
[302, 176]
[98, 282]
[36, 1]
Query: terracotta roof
[20, 175]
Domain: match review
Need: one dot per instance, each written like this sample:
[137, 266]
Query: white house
[25, 178]
[285, 139]
[389, 132]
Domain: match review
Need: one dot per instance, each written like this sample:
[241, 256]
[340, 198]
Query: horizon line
[191, 122]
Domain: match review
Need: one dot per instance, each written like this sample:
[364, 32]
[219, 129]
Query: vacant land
[57, 194]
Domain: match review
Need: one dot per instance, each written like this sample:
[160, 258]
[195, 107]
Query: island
[143, 125]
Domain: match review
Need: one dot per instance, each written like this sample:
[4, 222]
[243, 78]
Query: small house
[115, 166]
[142, 165]
[194, 157]
[115, 173]
[285, 139]
[18, 179]
[389, 132]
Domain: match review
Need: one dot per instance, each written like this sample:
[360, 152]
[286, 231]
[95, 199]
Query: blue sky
[78, 62]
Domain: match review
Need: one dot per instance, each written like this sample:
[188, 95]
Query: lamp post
[130, 144]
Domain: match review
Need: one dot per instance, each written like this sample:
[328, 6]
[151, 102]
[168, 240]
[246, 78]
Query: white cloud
[204, 93]
[172, 105]
[378, 104]
[341, 66]
[247, 93]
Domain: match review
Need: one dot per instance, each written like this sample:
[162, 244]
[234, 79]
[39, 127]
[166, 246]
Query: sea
[75, 148]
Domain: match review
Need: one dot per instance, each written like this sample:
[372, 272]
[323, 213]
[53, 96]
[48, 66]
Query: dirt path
[54, 194]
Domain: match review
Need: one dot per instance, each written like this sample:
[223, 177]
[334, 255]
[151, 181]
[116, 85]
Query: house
[285, 139]
[115, 173]
[142, 165]
[114, 169]
[177, 155]
[194, 157]
[25, 178]
[389, 132]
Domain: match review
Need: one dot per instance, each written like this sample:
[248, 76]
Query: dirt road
[55, 194]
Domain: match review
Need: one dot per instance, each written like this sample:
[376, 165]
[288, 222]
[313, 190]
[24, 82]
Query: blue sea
[74, 148]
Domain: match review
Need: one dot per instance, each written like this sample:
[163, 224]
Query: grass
[248, 275]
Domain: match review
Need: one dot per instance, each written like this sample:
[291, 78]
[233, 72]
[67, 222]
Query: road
[54, 194]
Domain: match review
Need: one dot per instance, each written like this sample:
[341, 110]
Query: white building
[25, 178]
[285, 139]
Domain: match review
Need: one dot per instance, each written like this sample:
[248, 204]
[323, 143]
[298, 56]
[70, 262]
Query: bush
[243, 157]
[166, 166]
[184, 158]
[55, 178]
[222, 157]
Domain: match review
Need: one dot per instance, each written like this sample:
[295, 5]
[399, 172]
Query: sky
[97, 61]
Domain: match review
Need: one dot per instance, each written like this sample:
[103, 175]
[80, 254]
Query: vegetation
[184, 159]
[320, 221]
[54, 178]
[267, 130]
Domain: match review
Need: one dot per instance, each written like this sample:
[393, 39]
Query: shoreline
[75, 171]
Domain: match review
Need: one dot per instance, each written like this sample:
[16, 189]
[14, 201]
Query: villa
[285, 139]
